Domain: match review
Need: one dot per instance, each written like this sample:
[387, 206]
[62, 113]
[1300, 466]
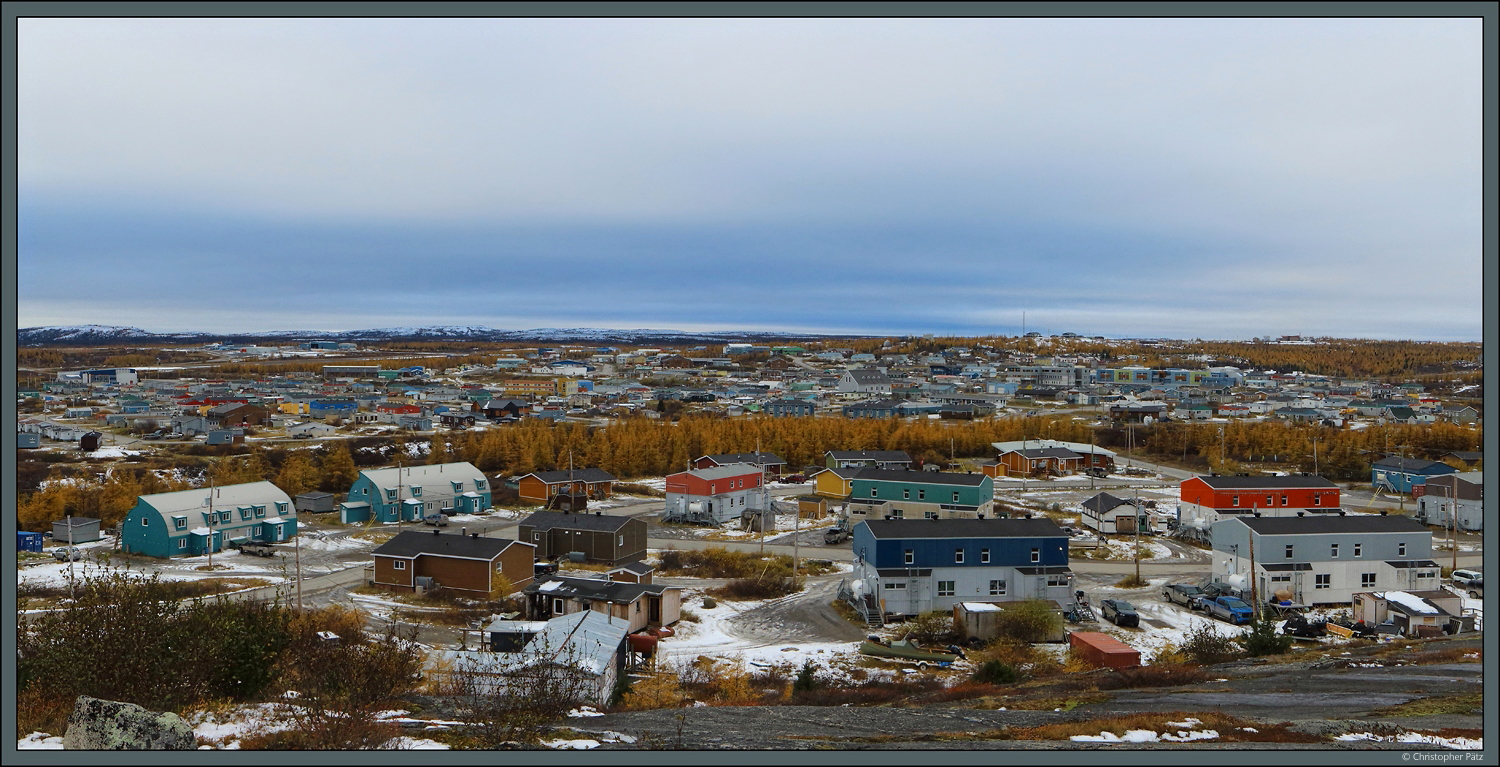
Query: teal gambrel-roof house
[190, 523]
[448, 488]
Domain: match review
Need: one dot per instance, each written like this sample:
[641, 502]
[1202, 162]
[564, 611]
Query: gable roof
[1333, 523]
[1046, 452]
[1104, 502]
[869, 455]
[547, 520]
[896, 529]
[868, 376]
[1418, 465]
[571, 475]
[594, 588]
[921, 477]
[1222, 482]
[722, 472]
[757, 458]
[409, 544]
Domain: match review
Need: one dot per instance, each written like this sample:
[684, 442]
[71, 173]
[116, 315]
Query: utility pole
[1254, 600]
[211, 517]
[1452, 526]
[1137, 547]
[1315, 457]
[400, 502]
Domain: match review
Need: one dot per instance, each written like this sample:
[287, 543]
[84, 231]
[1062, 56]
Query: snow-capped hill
[87, 335]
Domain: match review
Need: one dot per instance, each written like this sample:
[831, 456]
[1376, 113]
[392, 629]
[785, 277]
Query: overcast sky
[1183, 178]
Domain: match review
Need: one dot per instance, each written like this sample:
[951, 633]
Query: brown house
[1036, 461]
[603, 539]
[236, 414]
[642, 605]
[466, 563]
[540, 486]
[771, 463]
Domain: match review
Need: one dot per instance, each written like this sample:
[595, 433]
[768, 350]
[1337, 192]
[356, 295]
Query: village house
[598, 538]
[880, 493]
[716, 495]
[448, 488]
[1206, 500]
[190, 523]
[542, 486]
[469, 564]
[638, 605]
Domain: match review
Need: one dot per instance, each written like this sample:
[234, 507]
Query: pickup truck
[1182, 593]
[258, 549]
[1232, 609]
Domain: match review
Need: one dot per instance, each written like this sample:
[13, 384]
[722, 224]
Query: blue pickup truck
[1232, 609]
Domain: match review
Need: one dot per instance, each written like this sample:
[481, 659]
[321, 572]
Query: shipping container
[1104, 650]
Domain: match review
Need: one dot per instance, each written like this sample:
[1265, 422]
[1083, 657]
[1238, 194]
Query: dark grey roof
[866, 376]
[1262, 483]
[1411, 563]
[921, 477]
[964, 528]
[1047, 452]
[1397, 463]
[410, 544]
[546, 520]
[314, 494]
[1466, 455]
[1328, 523]
[576, 475]
[1104, 502]
[869, 455]
[595, 588]
[757, 458]
[904, 572]
[638, 568]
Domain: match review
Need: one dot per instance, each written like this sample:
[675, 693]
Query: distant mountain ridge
[74, 335]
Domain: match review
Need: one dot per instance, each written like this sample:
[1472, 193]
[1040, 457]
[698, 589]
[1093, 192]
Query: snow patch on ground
[39, 741]
[1148, 736]
[1417, 737]
[710, 636]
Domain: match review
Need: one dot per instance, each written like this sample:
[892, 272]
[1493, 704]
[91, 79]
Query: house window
[280, 508]
[860, 510]
[911, 557]
[225, 516]
[416, 491]
[997, 588]
[179, 522]
[558, 606]
[1426, 573]
[1357, 547]
[1235, 501]
[246, 513]
[955, 497]
[1268, 501]
[1317, 499]
[1289, 551]
[1283, 500]
[1036, 555]
[398, 564]
[945, 588]
[182, 543]
[1322, 581]
[145, 522]
[1367, 580]
[905, 495]
[898, 513]
[929, 515]
[958, 556]
[536, 535]
[458, 487]
[1057, 580]
[1281, 579]
[622, 541]
[390, 494]
[873, 492]
[478, 484]
[901, 586]
[1400, 548]
[984, 556]
[1333, 551]
[921, 495]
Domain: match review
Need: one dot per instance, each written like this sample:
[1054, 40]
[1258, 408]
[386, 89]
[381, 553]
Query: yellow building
[293, 408]
[834, 483]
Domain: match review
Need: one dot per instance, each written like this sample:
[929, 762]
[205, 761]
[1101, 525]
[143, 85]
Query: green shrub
[1028, 621]
[995, 672]
[1264, 639]
[930, 628]
[807, 678]
[1205, 646]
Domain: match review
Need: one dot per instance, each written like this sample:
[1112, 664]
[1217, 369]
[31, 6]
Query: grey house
[1324, 559]
[1444, 496]
[83, 530]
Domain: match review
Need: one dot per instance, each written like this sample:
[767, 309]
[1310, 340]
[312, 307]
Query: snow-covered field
[709, 636]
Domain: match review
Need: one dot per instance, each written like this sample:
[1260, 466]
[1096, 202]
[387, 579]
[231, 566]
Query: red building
[1206, 500]
[402, 408]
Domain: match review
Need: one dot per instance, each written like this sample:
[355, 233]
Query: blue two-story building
[1396, 474]
[905, 567]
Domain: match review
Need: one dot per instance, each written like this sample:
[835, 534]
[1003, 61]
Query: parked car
[543, 568]
[1476, 588]
[1182, 593]
[1119, 612]
[795, 479]
[258, 549]
[1461, 578]
[1232, 609]
[65, 553]
[436, 520]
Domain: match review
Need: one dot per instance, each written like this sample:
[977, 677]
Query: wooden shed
[315, 501]
[812, 506]
[1104, 650]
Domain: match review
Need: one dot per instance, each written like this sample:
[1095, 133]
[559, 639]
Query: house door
[653, 609]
